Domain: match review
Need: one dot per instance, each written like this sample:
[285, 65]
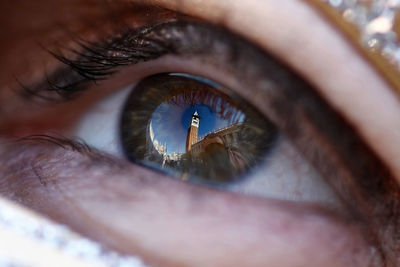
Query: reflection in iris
[193, 129]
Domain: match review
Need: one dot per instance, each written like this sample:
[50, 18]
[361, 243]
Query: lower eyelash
[60, 141]
[36, 145]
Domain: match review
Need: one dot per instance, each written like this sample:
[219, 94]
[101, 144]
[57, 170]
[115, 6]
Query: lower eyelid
[133, 210]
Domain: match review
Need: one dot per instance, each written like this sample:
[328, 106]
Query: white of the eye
[287, 175]
[284, 175]
[99, 127]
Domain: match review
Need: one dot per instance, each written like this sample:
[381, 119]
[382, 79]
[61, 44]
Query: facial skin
[167, 222]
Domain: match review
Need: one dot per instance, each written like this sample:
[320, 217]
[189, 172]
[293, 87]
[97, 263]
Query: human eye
[130, 201]
[99, 127]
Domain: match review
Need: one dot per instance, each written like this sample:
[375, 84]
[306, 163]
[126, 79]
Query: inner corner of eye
[193, 129]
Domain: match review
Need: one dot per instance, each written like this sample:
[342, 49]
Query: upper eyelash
[98, 61]
[95, 62]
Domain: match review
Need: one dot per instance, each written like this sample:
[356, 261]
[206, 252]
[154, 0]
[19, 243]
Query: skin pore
[136, 210]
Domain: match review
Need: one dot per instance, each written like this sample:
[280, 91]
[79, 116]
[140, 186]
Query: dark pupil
[194, 129]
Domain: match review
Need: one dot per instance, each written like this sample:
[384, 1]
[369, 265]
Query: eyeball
[99, 127]
[196, 130]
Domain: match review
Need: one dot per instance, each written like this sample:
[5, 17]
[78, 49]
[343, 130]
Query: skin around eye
[291, 104]
[88, 214]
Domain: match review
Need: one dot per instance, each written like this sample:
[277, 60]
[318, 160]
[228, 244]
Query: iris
[194, 129]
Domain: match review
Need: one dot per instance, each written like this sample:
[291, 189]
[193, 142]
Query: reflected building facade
[218, 150]
[162, 130]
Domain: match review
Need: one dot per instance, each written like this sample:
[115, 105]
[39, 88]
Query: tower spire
[193, 131]
[195, 119]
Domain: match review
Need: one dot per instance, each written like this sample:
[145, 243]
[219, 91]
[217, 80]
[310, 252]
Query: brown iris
[194, 129]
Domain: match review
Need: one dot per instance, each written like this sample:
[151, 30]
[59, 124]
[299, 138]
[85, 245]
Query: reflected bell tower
[193, 131]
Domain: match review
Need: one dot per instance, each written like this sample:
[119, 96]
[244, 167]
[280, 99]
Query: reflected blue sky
[170, 124]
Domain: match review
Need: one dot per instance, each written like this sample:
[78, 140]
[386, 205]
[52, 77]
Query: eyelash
[98, 61]
[92, 64]
[60, 141]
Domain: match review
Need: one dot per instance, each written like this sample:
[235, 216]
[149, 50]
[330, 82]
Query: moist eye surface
[194, 129]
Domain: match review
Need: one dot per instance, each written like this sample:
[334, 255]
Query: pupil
[194, 129]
